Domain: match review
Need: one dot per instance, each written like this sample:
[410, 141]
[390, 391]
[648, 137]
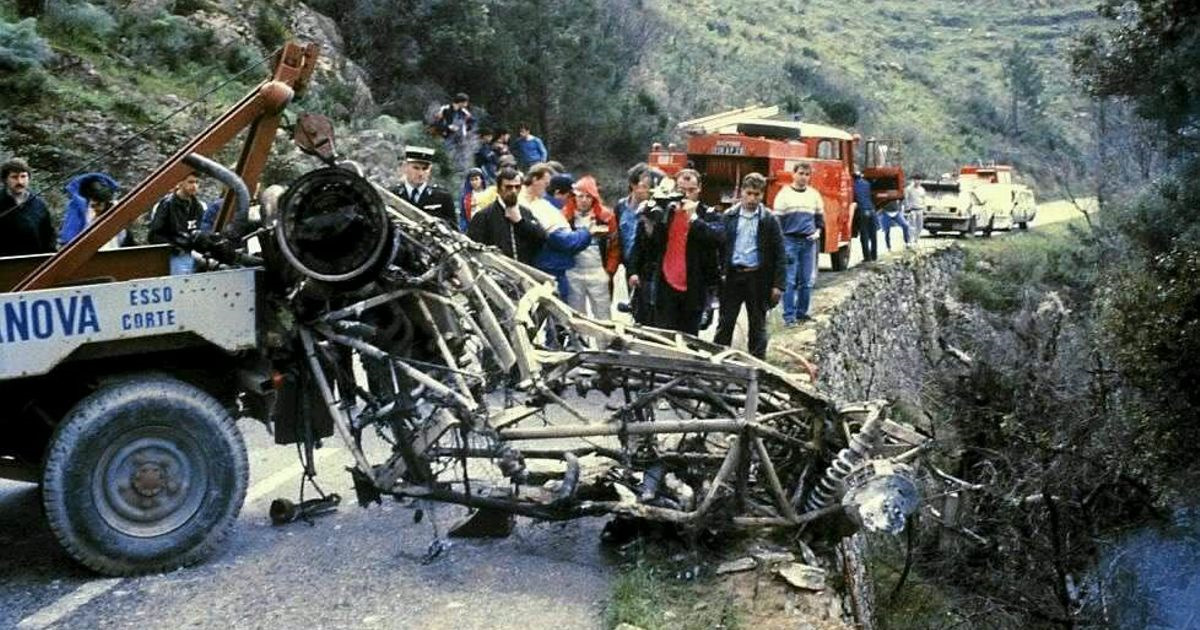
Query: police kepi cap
[418, 154]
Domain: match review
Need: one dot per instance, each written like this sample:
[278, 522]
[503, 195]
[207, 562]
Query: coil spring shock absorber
[858, 451]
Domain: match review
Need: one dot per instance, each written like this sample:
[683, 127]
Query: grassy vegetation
[927, 73]
[648, 594]
[918, 605]
[124, 66]
[1001, 273]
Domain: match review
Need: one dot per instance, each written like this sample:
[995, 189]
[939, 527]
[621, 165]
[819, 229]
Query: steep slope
[113, 70]
[929, 72]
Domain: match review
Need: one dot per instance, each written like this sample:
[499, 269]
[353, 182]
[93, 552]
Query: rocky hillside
[88, 85]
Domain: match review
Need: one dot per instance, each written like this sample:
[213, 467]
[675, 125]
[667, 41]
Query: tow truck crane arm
[260, 110]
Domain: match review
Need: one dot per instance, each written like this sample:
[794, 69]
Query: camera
[661, 204]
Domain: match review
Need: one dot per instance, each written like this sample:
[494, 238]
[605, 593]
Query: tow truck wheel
[145, 474]
[987, 231]
[841, 258]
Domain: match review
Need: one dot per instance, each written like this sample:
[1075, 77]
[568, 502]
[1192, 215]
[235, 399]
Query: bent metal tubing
[707, 436]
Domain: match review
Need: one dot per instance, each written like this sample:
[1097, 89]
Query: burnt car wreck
[466, 355]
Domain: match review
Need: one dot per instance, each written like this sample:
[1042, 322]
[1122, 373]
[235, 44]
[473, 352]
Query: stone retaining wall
[875, 334]
[875, 330]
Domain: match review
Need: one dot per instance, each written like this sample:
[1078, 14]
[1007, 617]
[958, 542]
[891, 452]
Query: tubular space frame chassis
[744, 443]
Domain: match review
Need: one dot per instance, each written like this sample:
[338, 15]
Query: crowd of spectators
[682, 260]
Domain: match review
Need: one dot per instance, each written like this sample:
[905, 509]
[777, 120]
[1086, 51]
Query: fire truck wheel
[841, 258]
[145, 474]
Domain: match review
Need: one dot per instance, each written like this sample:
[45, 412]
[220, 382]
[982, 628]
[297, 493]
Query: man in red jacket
[684, 248]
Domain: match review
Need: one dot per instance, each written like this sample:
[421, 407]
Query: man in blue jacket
[864, 216]
[755, 265]
[562, 243]
[79, 190]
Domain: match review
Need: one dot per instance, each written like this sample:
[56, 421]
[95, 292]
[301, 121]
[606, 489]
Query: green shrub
[645, 591]
[167, 40]
[980, 110]
[841, 105]
[131, 110]
[83, 21]
[240, 57]
[1000, 273]
[188, 7]
[22, 54]
[270, 28]
[21, 48]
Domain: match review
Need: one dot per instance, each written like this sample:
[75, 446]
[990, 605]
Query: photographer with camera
[679, 247]
[631, 223]
[754, 265]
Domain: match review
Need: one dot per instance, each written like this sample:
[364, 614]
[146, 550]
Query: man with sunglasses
[417, 189]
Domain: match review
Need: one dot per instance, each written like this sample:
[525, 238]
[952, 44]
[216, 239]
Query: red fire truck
[725, 147]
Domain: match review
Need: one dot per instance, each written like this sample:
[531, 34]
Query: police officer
[417, 189]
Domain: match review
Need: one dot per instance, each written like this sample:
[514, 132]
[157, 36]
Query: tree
[31, 8]
[1148, 53]
[1149, 316]
[1023, 78]
[565, 67]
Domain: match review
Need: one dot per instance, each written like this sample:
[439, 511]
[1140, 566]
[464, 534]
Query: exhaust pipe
[232, 181]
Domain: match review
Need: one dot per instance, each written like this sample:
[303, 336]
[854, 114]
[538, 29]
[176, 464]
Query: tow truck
[724, 147]
[424, 352]
[122, 382]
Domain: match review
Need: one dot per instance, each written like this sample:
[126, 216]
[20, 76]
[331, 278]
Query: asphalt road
[357, 568]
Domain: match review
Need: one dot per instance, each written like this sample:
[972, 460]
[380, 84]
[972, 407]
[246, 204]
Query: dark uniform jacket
[520, 240]
[434, 201]
[174, 220]
[26, 229]
[772, 262]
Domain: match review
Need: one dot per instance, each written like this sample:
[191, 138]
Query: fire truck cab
[725, 147]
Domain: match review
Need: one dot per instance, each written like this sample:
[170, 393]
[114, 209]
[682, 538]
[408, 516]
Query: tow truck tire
[987, 231]
[970, 231]
[841, 258]
[1024, 225]
[144, 475]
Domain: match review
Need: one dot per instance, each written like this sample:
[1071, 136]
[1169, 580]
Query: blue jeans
[182, 264]
[801, 274]
[868, 227]
[887, 221]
